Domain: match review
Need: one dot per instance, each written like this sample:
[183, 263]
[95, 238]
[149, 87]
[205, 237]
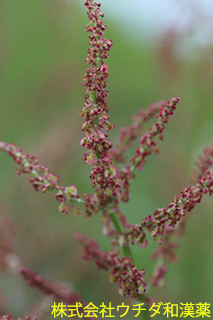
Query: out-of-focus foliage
[43, 46]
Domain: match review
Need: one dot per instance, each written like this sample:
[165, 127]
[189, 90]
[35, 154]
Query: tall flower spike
[96, 110]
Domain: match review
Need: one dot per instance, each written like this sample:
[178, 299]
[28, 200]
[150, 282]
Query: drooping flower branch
[130, 280]
[54, 290]
[165, 253]
[58, 290]
[43, 180]
[11, 262]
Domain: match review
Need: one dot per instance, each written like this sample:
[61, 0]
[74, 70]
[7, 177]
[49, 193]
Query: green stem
[116, 223]
[126, 249]
[128, 253]
[145, 314]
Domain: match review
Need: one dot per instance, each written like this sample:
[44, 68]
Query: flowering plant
[111, 176]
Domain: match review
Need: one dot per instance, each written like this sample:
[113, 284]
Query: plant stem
[126, 249]
[128, 253]
[145, 314]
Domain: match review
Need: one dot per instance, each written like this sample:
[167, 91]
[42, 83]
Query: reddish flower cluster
[122, 271]
[204, 163]
[166, 252]
[158, 278]
[95, 111]
[44, 180]
[147, 143]
[178, 207]
[57, 290]
[136, 234]
[122, 237]
[132, 233]
[129, 134]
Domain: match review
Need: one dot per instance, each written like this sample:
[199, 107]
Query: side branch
[147, 147]
[147, 143]
[129, 134]
[177, 209]
[57, 290]
[129, 279]
[166, 252]
[43, 180]
[205, 162]
[165, 219]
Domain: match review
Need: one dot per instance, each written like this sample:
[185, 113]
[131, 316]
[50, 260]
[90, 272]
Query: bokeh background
[161, 49]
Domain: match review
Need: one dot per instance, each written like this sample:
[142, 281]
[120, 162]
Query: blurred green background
[42, 52]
